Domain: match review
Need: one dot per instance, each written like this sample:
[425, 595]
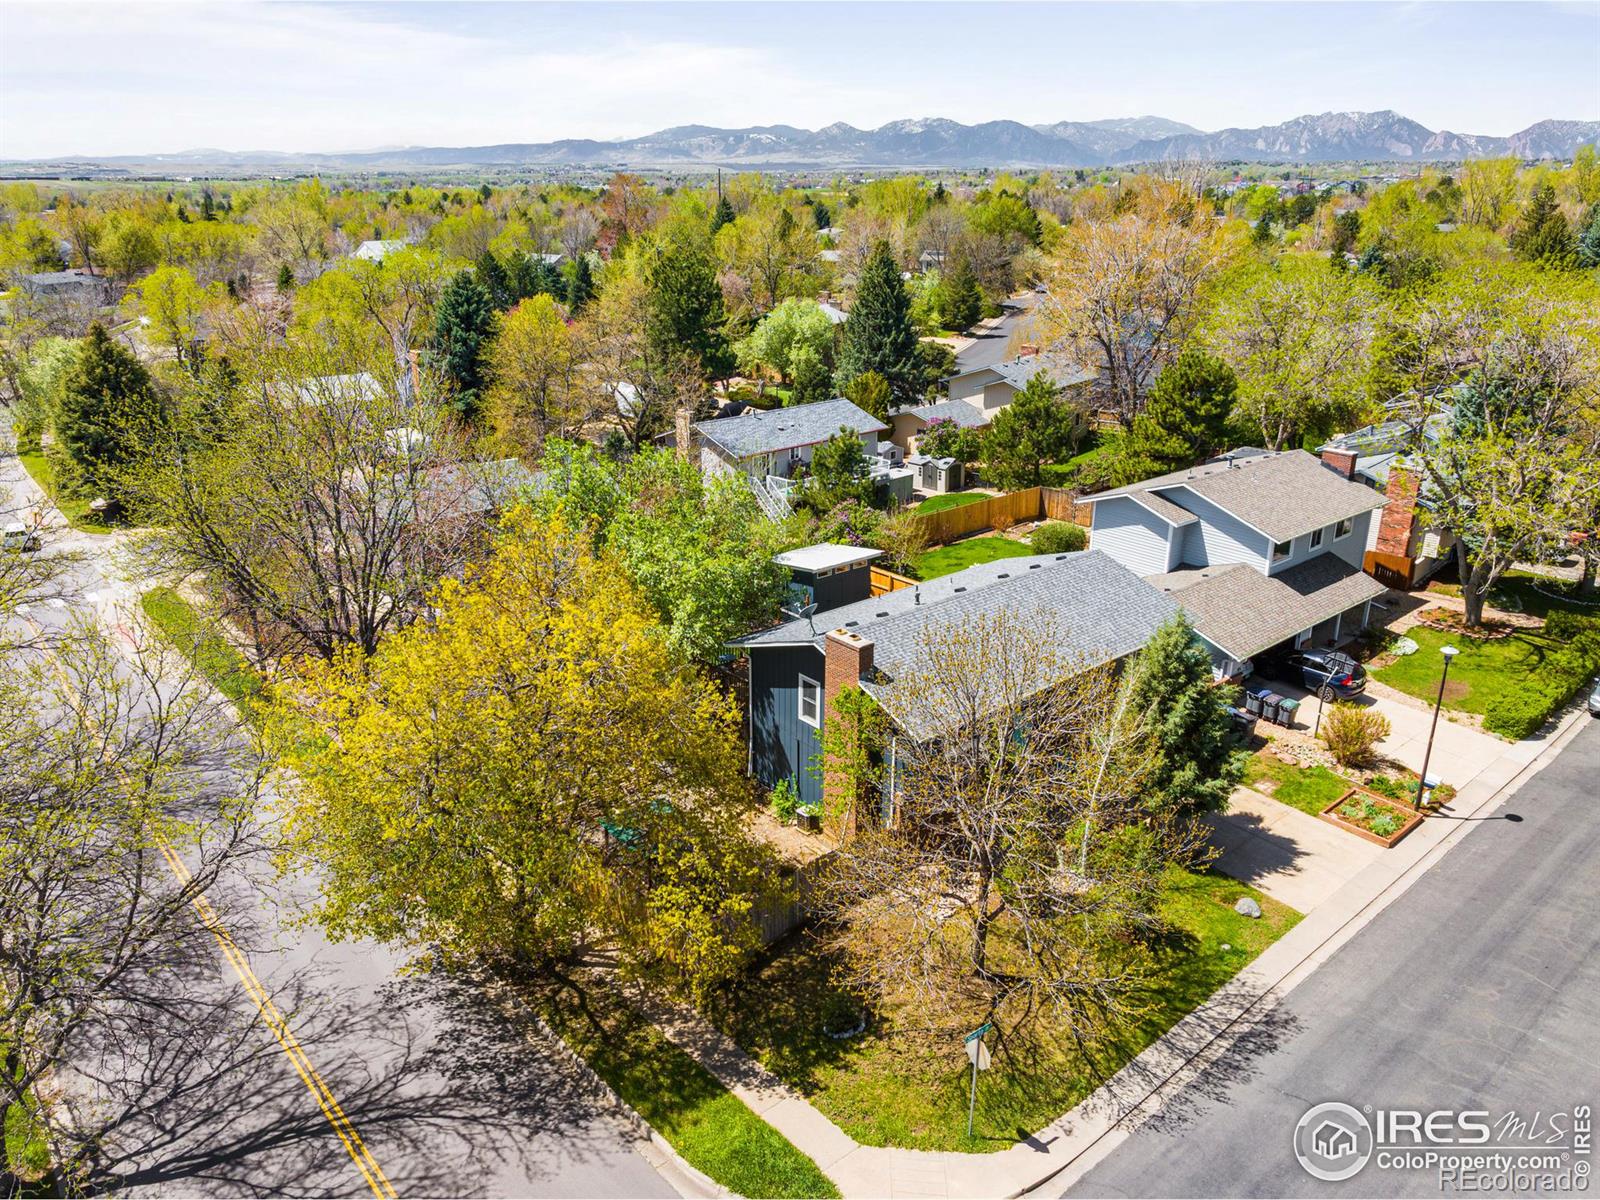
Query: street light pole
[1449, 652]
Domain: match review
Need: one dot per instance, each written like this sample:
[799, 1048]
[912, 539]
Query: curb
[1561, 734]
[689, 1182]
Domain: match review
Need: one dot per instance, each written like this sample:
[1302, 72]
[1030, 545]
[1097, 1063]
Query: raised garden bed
[1369, 815]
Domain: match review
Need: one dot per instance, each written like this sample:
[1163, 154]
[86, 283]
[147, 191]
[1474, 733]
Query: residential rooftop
[825, 556]
[1281, 495]
[770, 430]
[963, 414]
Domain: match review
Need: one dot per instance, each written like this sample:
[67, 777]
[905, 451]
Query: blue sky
[136, 77]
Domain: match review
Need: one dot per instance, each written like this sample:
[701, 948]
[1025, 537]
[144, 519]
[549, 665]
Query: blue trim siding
[781, 744]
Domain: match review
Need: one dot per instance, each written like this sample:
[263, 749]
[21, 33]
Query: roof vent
[880, 615]
[1034, 566]
[1003, 575]
[851, 624]
[961, 589]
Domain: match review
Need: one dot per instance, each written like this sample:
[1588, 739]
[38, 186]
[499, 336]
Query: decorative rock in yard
[1246, 907]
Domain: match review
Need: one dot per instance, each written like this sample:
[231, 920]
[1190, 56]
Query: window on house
[810, 701]
[1316, 538]
[1281, 551]
[1343, 528]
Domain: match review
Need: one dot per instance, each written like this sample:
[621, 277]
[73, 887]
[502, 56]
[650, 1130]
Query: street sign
[978, 1055]
[979, 1032]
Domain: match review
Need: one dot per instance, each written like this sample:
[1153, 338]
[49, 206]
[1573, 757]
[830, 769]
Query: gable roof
[1102, 612]
[1017, 371]
[968, 416]
[767, 431]
[1243, 612]
[1281, 495]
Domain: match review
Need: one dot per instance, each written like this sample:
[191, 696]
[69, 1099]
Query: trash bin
[1243, 723]
[1269, 708]
[1287, 709]
[1252, 701]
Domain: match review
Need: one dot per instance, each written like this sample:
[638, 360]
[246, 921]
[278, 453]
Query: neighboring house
[1404, 548]
[376, 250]
[835, 314]
[773, 443]
[989, 389]
[76, 284]
[906, 425]
[1099, 611]
[1260, 549]
[930, 260]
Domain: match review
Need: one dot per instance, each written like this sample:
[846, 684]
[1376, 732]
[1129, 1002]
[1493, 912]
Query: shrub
[785, 801]
[1001, 524]
[1517, 715]
[1567, 671]
[902, 536]
[1059, 537]
[1351, 732]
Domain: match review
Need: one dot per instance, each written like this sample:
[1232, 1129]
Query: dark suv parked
[1327, 673]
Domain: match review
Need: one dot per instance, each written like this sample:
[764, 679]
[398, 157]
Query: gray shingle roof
[765, 432]
[1165, 509]
[1283, 495]
[968, 416]
[1243, 612]
[1099, 609]
[1017, 371]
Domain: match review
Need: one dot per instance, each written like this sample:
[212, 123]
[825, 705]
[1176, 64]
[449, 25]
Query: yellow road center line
[331, 1109]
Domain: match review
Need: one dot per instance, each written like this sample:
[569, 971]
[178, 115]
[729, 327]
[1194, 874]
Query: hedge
[1058, 537]
[1564, 674]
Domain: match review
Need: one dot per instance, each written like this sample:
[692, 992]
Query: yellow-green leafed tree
[532, 774]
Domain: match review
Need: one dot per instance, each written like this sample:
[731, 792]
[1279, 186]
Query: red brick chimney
[1395, 521]
[848, 661]
[1342, 461]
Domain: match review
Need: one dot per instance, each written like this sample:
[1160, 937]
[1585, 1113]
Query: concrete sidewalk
[1288, 854]
[1073, 1143]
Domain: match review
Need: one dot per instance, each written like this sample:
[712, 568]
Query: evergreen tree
[1262, 233]
[1185, 420]
[722, 214]
[106, 412]
[869, 392]
[580, 285]
[1588, 248]
[1542, 234]
[1035, 429]
[484, 192]
[685, 318]
[811, 379]
[285, 278]
[962, 302]
[879, 334]
[492, 277]
[1346, 230]
[208, 206]
[820, 215]
[838, 473]
[1195, 764]
[463, 324]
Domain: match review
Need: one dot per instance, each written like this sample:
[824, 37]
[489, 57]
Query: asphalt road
[448, 1096]
[995, 345]
[1479, 988]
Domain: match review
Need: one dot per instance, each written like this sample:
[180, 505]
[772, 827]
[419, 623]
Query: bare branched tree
[1020, 861]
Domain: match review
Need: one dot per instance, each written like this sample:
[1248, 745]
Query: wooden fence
[1391, 570]
[1013, 508]
[784, 916]
[885, 580]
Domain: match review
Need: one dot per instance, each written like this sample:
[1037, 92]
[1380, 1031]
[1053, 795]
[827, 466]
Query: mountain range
[938, 142]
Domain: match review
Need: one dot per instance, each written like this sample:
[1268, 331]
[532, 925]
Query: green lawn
[1482, 673]
[199, 640]
[968, 553]
[1525, 592]
[713, 1129]
[935, 504]
[76, 511]
[27, 1155]
[885, 1090]
[1310, 789]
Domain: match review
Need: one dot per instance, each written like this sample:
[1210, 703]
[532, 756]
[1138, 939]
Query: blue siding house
[1260, 549]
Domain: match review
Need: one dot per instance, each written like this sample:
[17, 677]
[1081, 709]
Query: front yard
[968, 553]
[1310, 789]
[76, 511]
[1482, 673]
[889, 1087]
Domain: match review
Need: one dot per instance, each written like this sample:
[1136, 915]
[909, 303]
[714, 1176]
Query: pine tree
[1035, 429]
[106, 411]
[285, 278]
[1194, 762]
[463, 323]
[1185, 420]
[1542, 234]
[811, 379]
[722, 214]
[869, 392]
[580, 285]
[492, 277]
[820, 215]
[685, 311]
[962, 303]
[1346, 229]
[879, 334]
[1588, 248]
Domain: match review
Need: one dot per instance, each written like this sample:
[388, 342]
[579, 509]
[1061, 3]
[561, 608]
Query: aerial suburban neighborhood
[1045, 653]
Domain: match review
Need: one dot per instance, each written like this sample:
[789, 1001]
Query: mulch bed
[1448, 620]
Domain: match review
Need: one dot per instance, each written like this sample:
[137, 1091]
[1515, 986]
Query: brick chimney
[1342, 461]
[684, 432]
[1027, 350]
[1395, 521]
[848, 661]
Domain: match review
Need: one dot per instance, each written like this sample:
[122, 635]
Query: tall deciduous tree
[530, 774]
[879, 334]
[535, 388]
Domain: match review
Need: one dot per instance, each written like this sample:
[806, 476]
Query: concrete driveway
[1290, 855]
